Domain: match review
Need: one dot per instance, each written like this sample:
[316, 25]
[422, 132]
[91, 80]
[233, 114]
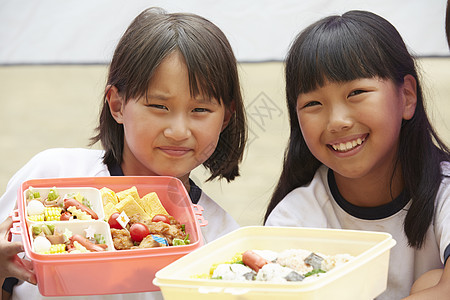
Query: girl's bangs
[202, 80]
[202, 86]
[338, 57]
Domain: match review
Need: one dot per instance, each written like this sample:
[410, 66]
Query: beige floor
[56, 106]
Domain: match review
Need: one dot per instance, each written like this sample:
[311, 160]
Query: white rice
[273, 273]
[231, 272]
[295, 259]
[333, 261]
[280, 265]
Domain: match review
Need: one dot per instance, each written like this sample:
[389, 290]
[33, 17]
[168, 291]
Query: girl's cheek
[303, 125]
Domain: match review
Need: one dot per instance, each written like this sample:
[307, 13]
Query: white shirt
[313, 205]
[63, 162]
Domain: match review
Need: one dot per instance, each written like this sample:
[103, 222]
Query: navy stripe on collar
[194, 192]
[446, 253]
[366, 213]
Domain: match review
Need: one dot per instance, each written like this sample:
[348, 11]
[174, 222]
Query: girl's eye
[158, 106]
[311, 104]
[200, 109]
[355, 93]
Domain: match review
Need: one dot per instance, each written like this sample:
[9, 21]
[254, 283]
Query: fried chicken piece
[121, 239]
[136, 218]
[149, 242]
[167, 231]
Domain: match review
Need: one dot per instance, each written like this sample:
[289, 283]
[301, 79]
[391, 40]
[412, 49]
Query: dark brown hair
[360, 44]
[212, 68]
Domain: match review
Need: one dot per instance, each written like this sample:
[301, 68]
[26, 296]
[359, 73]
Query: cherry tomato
[113, 221]
[139, 231]
[161, 218]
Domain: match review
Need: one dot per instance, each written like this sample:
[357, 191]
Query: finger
[5, 226]
[23, 274]
[23, 269]
[28, 264]
[12, 248]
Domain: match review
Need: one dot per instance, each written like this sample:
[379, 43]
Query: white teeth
[342, 147]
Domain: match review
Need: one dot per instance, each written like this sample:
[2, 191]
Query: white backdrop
[86, 31]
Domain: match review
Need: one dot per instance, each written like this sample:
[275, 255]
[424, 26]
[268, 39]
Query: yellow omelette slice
[152, 205]
[132, 191]
[131, 207]
[108, 196]
[109, 209]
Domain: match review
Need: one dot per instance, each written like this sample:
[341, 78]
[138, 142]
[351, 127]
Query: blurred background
[54, 57]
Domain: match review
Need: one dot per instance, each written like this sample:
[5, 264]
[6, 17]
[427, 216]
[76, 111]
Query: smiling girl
[362, 153]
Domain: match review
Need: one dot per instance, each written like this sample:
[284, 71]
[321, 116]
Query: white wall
[86, 31]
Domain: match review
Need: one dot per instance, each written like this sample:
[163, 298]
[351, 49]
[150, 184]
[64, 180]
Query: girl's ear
[229, 111]
[115, 102]
[410, 96]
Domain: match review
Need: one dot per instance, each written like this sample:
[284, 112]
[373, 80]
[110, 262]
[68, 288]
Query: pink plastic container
[112, 272]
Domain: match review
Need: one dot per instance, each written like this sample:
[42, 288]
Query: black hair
[212, 68]
[360, 44]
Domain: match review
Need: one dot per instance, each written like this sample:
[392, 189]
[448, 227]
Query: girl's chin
[179, 175]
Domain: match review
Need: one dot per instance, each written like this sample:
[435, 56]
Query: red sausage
[104, 246]
[253, 260]
[72, 202]
[86, 243]
[65, 216]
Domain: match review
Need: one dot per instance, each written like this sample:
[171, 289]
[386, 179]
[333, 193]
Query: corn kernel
[52, 213]
[37, 218]
[58, 248]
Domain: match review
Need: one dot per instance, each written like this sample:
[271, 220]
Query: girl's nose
[177, 129]
[339, 119]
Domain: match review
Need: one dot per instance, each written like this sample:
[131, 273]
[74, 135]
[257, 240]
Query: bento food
[137, 222]
[48, 239]
[57, 207]
[266, 265]
[129, 201]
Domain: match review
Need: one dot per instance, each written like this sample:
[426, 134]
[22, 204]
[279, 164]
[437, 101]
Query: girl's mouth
[175, 151]
[349, 145]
